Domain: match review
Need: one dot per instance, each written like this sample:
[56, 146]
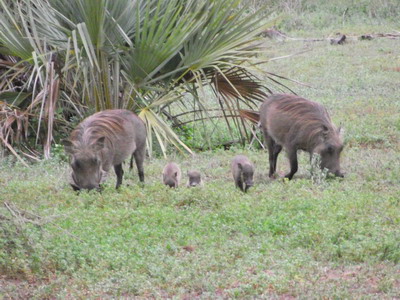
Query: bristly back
[108, 123]
[306, 115]
[302, 109]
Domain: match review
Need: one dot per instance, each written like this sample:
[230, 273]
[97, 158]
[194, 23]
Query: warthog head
[194, 178]
[247, 174]
[330, 150]
[86, 164]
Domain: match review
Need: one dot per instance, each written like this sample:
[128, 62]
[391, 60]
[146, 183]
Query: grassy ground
[336, 239]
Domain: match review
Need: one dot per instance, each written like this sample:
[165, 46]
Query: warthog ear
[98, 145]
[68, 146]
[325, 131]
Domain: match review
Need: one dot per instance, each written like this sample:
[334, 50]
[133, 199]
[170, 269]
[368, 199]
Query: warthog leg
[139, 158]
[120, 173]
[292, 155]
[273, 151]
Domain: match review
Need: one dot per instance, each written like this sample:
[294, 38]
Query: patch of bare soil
[362, 280]
[15, 288]
[395, 69]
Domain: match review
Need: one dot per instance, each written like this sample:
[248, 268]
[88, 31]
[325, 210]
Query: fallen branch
[308, 39]
[390, 35]
[339, 41]
[274, 33]
[23, 216]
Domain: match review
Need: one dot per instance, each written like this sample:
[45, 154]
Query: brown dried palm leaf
[234, 87]
[251, 115]
[50, 107]
[238, 83]
[13, 125]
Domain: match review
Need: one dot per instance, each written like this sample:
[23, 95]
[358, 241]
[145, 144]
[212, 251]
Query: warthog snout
[171, 183]
[248, 185]
[88, 187]
[194, 178]
[339, 174]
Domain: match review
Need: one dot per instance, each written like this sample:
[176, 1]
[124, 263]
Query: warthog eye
[76, 164]
[330, 150]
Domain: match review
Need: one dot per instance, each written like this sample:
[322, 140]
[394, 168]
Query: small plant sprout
[318, 175]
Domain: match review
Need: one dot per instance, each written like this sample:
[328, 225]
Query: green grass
[338, 239]
[282, 238]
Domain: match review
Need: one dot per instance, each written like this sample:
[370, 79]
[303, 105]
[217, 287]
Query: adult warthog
[295, 123]
[103, 140]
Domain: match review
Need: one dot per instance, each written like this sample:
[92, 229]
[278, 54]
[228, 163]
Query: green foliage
[318, 176]
[309, 15]
[59, 152]
[140, 240]
[335, 239]
[86, 55]
[186, 135]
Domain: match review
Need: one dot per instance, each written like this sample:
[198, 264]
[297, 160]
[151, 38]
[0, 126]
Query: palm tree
[63, 58]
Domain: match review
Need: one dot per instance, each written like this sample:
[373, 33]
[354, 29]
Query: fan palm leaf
[81, 56]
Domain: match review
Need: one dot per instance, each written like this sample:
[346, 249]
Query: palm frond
[12, 36]
[239, 83]
[251, 115]
[82, 56]
[163, 131]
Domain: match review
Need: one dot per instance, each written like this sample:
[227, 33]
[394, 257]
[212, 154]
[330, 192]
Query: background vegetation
[308, 238]
[316, 15]
[63, 60]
